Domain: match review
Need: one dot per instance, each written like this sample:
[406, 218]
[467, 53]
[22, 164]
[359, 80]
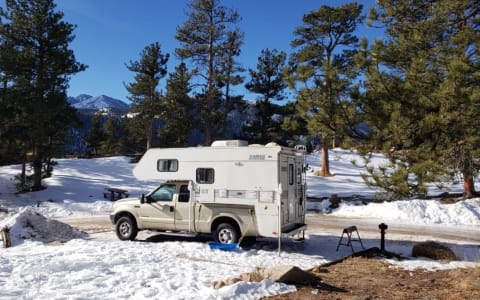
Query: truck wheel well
[125, 214]
[228, 220]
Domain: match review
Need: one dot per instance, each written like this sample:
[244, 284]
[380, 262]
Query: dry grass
[361, 278]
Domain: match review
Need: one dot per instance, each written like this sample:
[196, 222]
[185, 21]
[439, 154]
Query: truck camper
[231, 190]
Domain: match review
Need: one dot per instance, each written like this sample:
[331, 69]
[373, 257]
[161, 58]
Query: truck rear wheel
[226, 233]
[126, 228]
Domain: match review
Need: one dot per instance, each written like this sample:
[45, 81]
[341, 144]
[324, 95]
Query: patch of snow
[30, 225]
[101, 266]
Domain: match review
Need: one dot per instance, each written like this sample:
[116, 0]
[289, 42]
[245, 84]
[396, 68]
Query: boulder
[433, 250]
[285, 274]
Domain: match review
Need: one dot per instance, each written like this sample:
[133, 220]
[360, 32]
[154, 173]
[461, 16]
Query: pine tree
[145, 97]
[230, 68]
[322, 71]
[267, 80]
[95, 135]
[132, 139]
[37, 71]
[176, 109]
[109, 145]
[423, 86]
[205, 37]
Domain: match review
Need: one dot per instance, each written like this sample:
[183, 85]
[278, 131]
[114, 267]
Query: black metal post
[382, 227]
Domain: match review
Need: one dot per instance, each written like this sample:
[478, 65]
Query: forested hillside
[416, 89]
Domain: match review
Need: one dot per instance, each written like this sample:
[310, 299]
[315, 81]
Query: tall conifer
[322, 71]
[177, 109]
[37, 72]
[267, 80]
[144, 94]
[423, 90]
[209, 39]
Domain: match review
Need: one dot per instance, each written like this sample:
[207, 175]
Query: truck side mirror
[142, 200]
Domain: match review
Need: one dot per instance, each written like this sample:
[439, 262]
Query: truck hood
[127, 201]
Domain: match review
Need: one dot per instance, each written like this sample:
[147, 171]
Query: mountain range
[87, 102]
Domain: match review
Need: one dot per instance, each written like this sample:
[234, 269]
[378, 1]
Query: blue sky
[110, 33]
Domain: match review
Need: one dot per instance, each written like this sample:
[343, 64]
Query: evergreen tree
[95, 135]
[36, 72]
[109, 145]
[230, 68]
[267, 81]
[322, 71]
[131, 139]
[293, 127]
[423, 82]
[145, 97]
[205, 37]
[176, 109]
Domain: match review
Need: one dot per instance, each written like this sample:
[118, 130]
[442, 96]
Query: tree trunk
[37, 173]
[208, 135]
[468, 185]
[325, 162]
[149, 131]
[23, 175]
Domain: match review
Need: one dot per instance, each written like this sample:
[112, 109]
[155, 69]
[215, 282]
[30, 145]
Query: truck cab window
[163, 193]
[205, 175]
[184, 194]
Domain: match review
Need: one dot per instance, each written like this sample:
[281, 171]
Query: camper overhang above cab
[180, 163]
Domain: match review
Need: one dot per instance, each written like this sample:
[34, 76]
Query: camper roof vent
[271, 144]
[230, 143]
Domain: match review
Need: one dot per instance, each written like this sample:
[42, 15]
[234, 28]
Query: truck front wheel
[126, 228]
[225, 233]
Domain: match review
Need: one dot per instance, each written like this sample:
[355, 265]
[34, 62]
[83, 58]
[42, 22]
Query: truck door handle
[172, 208]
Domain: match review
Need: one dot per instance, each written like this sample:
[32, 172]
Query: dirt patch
[362, 278]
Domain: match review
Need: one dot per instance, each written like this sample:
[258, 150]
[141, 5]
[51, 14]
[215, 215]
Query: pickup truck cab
[169, 208]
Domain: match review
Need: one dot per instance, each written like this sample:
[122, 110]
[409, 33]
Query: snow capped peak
[84, 101]
[83, 97]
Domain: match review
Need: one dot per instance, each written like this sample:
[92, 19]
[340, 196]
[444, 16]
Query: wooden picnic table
[115, 193]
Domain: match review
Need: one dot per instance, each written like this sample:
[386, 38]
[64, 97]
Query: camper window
[291, 175]
[205, 175]
[167, 165]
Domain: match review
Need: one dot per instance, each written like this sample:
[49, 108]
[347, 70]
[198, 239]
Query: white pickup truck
[229, 190]
[168, 208]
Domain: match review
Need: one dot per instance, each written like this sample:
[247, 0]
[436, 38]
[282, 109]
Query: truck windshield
[163, 193]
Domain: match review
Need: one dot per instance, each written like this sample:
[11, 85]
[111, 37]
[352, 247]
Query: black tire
[126, 228]
[226, 233]
[248, 241]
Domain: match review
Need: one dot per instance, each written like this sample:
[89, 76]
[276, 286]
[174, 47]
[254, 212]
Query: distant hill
[87, 102]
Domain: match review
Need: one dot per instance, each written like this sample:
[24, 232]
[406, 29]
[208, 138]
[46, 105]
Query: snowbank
[30, 225]
[417, 211]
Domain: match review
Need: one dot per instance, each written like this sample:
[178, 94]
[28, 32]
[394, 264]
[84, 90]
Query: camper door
[287, 179]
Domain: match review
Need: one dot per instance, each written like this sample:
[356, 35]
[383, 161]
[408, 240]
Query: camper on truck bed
[231, 190]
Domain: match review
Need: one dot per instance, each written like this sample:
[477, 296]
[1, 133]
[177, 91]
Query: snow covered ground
[154, 267]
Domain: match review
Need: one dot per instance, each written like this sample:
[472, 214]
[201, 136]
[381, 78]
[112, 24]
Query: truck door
[183, 211]
[159, 211]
